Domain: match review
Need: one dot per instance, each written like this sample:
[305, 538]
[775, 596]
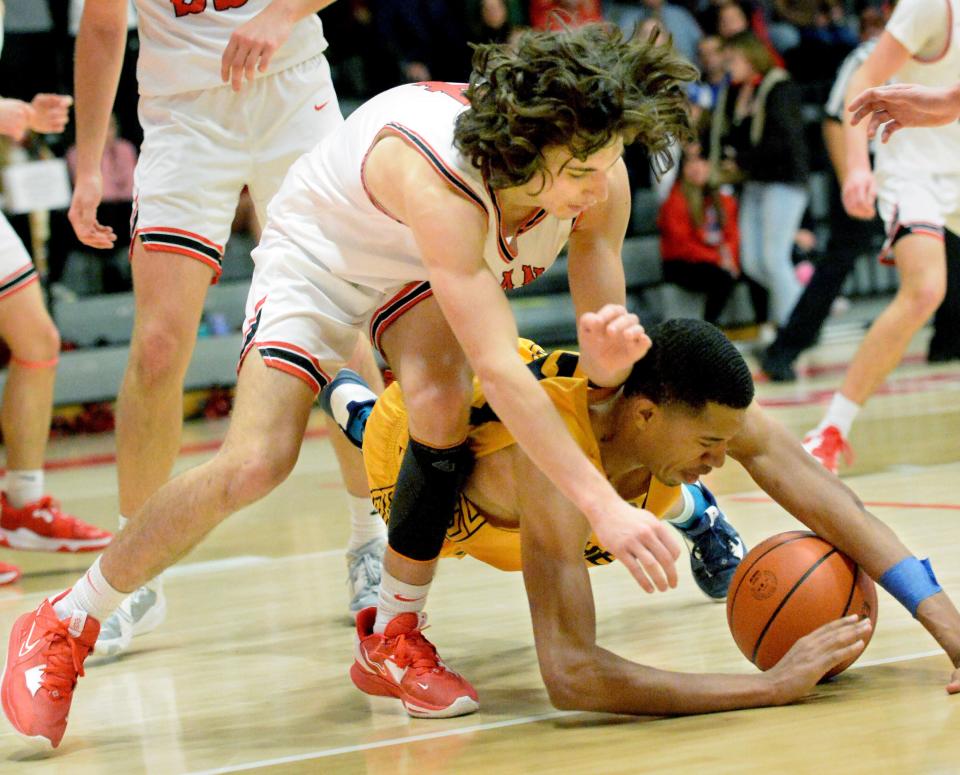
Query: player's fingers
[226, 61]
[266, 54]
[889, 129]
[953, 687]
[638, 573]
[619, 325]
[609, 312]
[858, 103]
[659, 563]
[250, 65]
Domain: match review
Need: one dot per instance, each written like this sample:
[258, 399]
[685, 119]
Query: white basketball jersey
[324, 200]
[182, 41]
[919, 25]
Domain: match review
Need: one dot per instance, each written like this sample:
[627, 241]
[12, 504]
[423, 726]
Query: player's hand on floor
[50, 113]
[954, 686]
[87, 193]
[643, 543]
[253, 44]
[611, 341]
[812, 657]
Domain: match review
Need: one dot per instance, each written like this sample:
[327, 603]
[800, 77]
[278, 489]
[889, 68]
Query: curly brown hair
[576, 88]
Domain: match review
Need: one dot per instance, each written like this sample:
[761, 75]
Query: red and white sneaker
[8, 573]
[402, 663]
[826, 445]
[44, 659]
[42, 527]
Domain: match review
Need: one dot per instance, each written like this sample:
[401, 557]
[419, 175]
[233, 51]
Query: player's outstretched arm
[580, 675]
[450, 232]
[900, 105]
[778, 463]
[101, 41]
[611, 339]
[252, 45]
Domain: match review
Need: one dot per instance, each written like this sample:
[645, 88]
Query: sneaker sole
[27, 540]
[374, 685]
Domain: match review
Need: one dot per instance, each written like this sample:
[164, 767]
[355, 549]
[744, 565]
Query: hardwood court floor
[250, 670]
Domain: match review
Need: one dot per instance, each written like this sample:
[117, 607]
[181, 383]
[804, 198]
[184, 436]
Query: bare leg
[33, 340]
[922, 266]
[169, 291]
[260, 450]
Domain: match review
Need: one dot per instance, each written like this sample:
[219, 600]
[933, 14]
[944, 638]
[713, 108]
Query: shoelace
[714, 543]
[833, 444]
[414, 651]
[46, 509]
[366, 566]
[65, 657]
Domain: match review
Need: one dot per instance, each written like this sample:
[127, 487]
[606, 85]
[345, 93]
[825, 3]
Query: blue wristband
[911, 581]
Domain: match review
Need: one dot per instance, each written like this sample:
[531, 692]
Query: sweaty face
[571, 185]
[683, 446]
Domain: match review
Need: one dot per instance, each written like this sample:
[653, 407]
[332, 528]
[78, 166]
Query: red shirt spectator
[547, 14]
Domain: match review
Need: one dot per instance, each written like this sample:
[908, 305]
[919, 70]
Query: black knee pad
[428, 486]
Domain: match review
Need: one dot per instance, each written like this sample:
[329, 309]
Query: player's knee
[438, 408]
[43, 345]
[255, 470]
[157, 356]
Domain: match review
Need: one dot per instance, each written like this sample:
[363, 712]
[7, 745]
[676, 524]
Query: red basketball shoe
[42, 527]
[402, 663]
[44, 659]
[8, 573]
[827, 445]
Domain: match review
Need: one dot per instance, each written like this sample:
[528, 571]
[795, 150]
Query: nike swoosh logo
[27, 646]
[321, 106]
[405, 599]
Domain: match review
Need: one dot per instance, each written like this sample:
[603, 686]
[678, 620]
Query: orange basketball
[787, 587]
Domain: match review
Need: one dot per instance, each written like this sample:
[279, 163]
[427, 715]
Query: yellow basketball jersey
[469, 532]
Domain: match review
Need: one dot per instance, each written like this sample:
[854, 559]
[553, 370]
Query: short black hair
[691, 363]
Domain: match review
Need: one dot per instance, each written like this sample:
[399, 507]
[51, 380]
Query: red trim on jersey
[35, 277]
[946, 46]
[363, 182]
[15, 272]
[378, 326]
[437, 162]
[181, 232]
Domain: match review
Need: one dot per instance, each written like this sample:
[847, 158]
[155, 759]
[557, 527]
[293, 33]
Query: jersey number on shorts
[184, 7]
[454, 90]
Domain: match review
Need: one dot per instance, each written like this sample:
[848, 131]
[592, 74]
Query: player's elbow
[566, 677]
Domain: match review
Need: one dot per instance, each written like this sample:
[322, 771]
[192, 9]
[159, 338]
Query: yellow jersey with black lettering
[469, 532]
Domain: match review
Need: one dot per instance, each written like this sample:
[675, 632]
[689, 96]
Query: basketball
[788, 586]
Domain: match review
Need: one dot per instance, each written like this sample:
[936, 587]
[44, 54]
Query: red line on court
[872, 504]
[109, 458]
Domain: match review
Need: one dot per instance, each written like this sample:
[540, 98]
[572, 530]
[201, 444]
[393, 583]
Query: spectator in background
[428, 38]
[553, 14]
[757, 137]
[699, 237]
[494, 21]
[676, 20]
[713, 72]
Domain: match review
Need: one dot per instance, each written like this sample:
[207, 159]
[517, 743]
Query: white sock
[365, 522]
[24, 487]
[397, 597]
[842, 413]
[92, 594]
[687, 510]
